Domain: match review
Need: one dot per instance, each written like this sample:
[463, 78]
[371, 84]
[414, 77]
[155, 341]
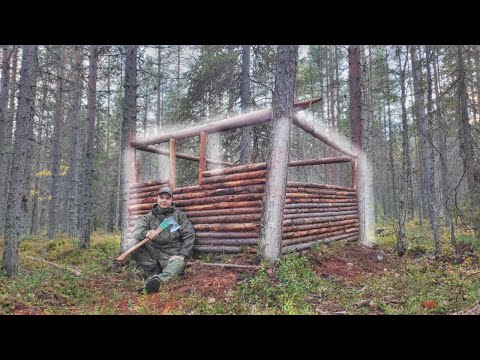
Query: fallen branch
[63, 267]
[473, 311]
[234, 266]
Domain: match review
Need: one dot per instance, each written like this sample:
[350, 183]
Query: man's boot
[153, 284]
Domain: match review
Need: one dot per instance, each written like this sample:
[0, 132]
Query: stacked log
[316, 214]
[225, 210]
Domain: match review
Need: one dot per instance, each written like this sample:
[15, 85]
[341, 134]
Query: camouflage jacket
[168, 243]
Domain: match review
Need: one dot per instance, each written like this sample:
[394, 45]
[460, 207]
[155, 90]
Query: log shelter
[225, 207]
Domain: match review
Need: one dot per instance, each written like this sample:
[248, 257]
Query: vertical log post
[133, 161]
[202, 165]
[357, 132]
[354, 174]
[171, 181]
[138, 170]
[270, 233]
[126, 180]
[129, 121]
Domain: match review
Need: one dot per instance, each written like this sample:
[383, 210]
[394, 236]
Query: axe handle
[135, 247]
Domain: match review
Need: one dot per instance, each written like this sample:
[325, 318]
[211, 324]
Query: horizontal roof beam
[251, 118]
[181, 155]
[329, 160]
[302, 124]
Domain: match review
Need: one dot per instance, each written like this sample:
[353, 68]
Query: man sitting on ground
[163, 257]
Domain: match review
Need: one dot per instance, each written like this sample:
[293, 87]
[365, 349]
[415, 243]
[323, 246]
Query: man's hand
[152, 234]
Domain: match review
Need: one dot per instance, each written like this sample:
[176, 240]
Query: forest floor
[338, 278]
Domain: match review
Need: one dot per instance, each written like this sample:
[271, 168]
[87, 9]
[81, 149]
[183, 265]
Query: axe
[164, 225]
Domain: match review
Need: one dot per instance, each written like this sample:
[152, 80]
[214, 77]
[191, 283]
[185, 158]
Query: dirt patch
[206, 282]
[170, 304]
[124, 306]
[133, 304]
[353, 260]
[339, 268]
[22, 309]
[104, 282]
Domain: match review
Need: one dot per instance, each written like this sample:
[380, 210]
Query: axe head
[174, 224]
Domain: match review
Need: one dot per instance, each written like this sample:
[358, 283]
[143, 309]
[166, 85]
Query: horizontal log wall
[316, 214]
[226, 209]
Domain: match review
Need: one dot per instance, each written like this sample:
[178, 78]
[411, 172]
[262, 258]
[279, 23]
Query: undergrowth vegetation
[337, 278]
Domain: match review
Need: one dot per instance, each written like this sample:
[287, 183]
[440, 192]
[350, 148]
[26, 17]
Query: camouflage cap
[165, 189]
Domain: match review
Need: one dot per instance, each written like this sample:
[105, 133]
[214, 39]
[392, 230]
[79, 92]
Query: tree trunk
[111, 165]
[56, 147]
[270, 235]
[333, 120]
[177, 86]
[246, 139]
[442, 141]
[28, 167]
[17, 189]
[391, 143]
[369, 121]
[128, 131]
[420, 190]
[38, 158]
[425, 147]
[11, 110]
[409, 203]
[3, 127]
[339, 173]
[356, 128]
[476, 57]
[144, 156]
[119, 205]
[405, 173]
[466, 147]
[419, 198]
[73, 199]
[328, 120]
[86, 213]
[431, 146]
[384, 204]
[159, 106]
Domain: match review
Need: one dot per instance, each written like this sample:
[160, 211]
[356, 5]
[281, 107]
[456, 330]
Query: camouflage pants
[144, 257]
